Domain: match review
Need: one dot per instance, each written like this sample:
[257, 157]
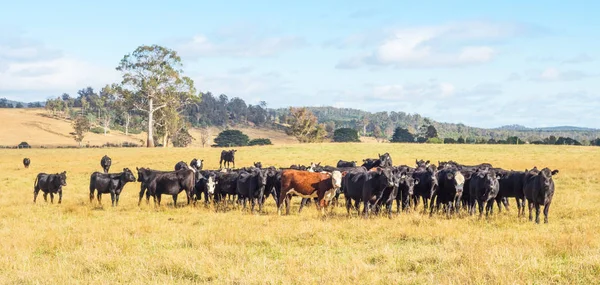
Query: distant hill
[5, 103]
[547, 129]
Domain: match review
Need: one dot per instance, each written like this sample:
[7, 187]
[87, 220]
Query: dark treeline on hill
[154, 96]
[5, 103]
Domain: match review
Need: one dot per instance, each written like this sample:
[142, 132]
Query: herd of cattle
[449, 186]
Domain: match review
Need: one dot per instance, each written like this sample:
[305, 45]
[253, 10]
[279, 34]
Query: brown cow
[306, 184]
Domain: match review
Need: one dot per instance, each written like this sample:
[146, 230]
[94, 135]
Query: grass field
[77, 242]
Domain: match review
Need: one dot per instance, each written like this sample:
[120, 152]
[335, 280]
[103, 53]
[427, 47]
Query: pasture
[79, 242]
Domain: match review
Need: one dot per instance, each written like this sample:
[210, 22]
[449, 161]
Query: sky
[478, 63]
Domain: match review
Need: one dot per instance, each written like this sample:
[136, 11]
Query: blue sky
[475, 62]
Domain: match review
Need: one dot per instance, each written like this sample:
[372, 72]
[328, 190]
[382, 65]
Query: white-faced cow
[539, 190]
[308, 185]
[109, 183]
[49, 183]
[197, 164]
[105, 162]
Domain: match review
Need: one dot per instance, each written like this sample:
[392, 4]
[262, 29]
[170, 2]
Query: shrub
[402, 135]
[182, 138]
[435, 141]
[345, 135]
[229, 138]
[449, 141]
[260, 142]
[24, 145]
[98, 130]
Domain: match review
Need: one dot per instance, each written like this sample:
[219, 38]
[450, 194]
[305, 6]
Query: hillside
[35, 127]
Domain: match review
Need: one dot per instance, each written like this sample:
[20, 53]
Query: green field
[77, 242]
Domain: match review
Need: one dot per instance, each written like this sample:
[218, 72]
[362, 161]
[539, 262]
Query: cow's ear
[449, 176]
[417, 181]
[555, 171]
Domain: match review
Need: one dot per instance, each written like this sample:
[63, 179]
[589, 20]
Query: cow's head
[128, 175]
[456, 179]
[63, 178]
[409, 182]
[545, 177]
[258, 164]
[421, 163]
[336, 179]
[210, 183]
[141, 174]
[491, 184]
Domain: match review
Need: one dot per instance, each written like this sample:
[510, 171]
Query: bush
[98, 130]
[260, 142]
[182, 138]
[24, 145]
[449, 141]
[345, 135]
[228, 138]
[435, 141]
[402, 135]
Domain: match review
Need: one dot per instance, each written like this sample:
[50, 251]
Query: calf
[484, 187]
[112, 183]
[226, 185]
[105, 162]
[145, 176]
[26, 162]
[227, 156]
[406, 187]
[49, 183]
[206, 182]
[342, 163]
[181, 165]
[308, 185]
[197, 164]
[539, 190]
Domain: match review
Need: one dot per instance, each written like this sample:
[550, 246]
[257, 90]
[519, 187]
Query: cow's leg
[46, 197]
[288, 202]
[505, 203]
[91, 195]
[480, 203]
[51, 198]
[389, 205]
[366, 209]
[60, 196]
[112, 198]
[157, 198]
[117, 199]
[520, 207]
[99, 198]
[348, 205]
[302, 203]
[530, 206]
[546, 208]
[36, 192]
[174, 200]
[537, 212]
[499, 202]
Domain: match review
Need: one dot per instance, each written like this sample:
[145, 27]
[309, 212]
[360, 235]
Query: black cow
[251, 185]
[450, 188]
[370, 163]
[197, 164]
[26, 162]
[342, 163]
[539, 190]
[258, 164]
[483, 188]
[426, 187]
[145, 176]
[273, 186]
[386, 160]
[112, 183]
[422, 163]
[227, 156]
[226, 185]
[105, 162]
[172, 183]
[49, 183]
[181, 165]
[512, 185]
[367, 186]
[205, 184]
[406, 189]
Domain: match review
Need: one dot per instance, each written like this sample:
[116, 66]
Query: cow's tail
[92, 185]
[35, 183]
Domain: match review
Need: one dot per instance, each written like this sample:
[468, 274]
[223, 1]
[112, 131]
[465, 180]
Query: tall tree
[153, 77]
[402, 135]
[81, 125]
[304, 125]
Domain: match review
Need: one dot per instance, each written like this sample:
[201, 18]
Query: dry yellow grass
[77, 242]
[36, 128]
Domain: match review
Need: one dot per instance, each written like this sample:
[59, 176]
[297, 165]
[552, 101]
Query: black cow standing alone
[49, 183]
[26, 162]
[112, 183]
[539, 190]
[105, 162]
[227, 156]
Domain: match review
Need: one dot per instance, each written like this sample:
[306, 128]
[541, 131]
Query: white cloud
[451, 45]
[31, 68]
[238, 46]
[554, 74]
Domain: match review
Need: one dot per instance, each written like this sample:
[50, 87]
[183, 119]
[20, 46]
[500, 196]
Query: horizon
[482, 65]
